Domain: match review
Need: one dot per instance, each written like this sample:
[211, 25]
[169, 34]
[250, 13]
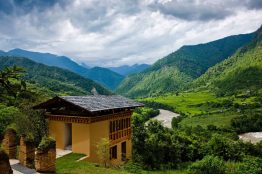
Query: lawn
[68, 164]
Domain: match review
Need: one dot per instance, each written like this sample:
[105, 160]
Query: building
[79, 122]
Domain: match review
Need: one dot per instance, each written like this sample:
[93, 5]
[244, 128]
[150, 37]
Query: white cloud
[116, 32]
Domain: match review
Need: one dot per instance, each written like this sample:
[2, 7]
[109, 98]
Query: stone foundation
[9, 143]
[26, 153]
[5, 167]
[45, 161]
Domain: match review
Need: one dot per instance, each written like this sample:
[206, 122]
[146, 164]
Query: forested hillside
[175, 71]
[103, 76]
[240, 73]
[57, 80]
[127, 70]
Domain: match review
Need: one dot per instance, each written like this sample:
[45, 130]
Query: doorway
[68, 136]
[123, 151]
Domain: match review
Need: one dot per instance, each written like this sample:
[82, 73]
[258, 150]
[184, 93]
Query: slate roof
[95, 103]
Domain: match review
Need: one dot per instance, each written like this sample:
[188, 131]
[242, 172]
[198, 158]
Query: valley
[197, 100]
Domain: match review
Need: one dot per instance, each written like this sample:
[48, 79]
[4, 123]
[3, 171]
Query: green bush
[250, 165]
[228, 149]
[208, 165]
[47, 143]
[133, 167]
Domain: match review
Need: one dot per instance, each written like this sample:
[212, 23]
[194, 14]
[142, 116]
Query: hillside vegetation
[242, 72]
[57, 80]
[175, 71]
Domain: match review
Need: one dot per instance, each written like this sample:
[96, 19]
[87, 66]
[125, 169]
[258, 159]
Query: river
[165, 117]
[253, 137]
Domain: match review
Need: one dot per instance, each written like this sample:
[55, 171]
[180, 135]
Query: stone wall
[5, 167]
[9, 143]
[26, 153]
[45, 160]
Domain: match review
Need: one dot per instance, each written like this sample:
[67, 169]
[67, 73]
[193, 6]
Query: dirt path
[165, 117]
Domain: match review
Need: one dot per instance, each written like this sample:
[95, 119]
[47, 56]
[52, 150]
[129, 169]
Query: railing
[120, 135]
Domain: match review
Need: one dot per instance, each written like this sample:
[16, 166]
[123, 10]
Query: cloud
[117, 32]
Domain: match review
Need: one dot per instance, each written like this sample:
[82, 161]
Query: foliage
[11, 82]
[225, 148]
[31, 123]
[250, 165]
[7, 116]
[208, 165]
[103, 152]
[247, 123]
[46, 143]
[175, 121]
[132, 167]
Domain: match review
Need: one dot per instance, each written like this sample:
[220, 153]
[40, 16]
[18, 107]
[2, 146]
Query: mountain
[240, 73]
[58, 80]
[127, 70]
[49, 59]
[175, 71]
[2, 53]
[103, 76]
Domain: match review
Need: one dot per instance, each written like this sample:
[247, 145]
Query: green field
[203, 108]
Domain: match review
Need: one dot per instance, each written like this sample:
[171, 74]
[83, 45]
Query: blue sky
[118, 32]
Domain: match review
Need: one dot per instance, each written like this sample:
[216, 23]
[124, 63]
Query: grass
[68, 164]
[187, 102]
[218, 119]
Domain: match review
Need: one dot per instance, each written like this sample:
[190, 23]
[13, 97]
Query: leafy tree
[10, 80]
[103, 152]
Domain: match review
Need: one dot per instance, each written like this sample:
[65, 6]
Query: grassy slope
[69, 164]
[60, 81]
[176, 70]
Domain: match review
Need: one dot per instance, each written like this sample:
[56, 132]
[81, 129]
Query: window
[113, 152]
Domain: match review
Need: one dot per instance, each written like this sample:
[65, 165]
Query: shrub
[224, 147]
[208, 165]
[47, 143]
[250, 165]
[132, 167]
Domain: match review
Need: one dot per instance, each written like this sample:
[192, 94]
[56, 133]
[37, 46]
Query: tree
[11, 80]
[103, 151]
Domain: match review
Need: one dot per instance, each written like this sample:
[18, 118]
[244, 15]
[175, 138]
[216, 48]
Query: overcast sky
[118, 32]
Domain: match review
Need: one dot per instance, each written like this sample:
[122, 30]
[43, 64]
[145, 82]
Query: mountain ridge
[184, 65]
[68, 64]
